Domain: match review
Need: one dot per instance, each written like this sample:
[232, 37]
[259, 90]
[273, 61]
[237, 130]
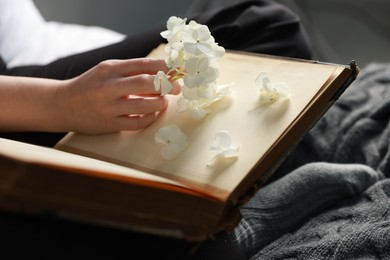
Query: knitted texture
[330, 198]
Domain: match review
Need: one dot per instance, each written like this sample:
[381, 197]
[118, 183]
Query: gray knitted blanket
[330, 198]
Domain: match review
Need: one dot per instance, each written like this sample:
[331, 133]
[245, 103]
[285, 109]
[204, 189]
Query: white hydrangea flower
[173, 138]
[221, 90]
[196, 108]
[176, 56]
[193, 57]
[197, 40]
[175, 25]
[196, 100]
[270, 92]
[223, 145]
[217, 53]
[199, 72]
[200, 92]
[211, 92]
[162, 82]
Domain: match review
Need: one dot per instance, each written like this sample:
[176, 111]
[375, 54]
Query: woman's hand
[113, 96]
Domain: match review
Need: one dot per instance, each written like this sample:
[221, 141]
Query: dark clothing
[255, 26]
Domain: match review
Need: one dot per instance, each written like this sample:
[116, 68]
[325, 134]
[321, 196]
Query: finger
[176, 88]
[142, 85]
[133, 123]
[137, 66]
[138, 106]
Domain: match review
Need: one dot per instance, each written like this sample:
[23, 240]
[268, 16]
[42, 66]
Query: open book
[122, 180]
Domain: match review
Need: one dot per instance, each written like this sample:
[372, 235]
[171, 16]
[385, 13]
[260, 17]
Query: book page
[253, 126]
[33, 154]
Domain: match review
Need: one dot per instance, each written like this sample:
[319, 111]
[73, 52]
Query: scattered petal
[173, 138]
[269, 91]
[224, 146]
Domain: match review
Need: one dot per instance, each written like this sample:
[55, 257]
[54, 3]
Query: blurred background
[340, 30]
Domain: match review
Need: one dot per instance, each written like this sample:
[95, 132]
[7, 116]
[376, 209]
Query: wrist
[59, 102]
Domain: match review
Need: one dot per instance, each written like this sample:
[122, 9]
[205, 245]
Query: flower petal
[270, 91]
[174, 139]
[170, 151]
[222, 140]
[223, 145]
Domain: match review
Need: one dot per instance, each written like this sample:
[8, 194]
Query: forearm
[30, 104]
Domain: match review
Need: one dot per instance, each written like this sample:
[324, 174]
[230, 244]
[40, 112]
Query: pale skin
[115, 95]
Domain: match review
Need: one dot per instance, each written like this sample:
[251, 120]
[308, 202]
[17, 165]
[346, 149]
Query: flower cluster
[192, 56]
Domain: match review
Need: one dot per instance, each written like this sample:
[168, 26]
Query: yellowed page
[254, 127]
[58, 159]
